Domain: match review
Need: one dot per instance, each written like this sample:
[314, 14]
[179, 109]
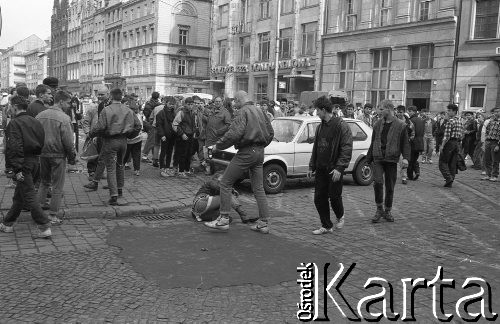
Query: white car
[289, 154]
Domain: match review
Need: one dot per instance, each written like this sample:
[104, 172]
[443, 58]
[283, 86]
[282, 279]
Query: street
[167, 268]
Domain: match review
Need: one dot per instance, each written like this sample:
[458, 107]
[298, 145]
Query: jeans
[325, 189]
[167, 148]
[384, 172]
[248, 158]
[183, 149]
[53, 173]
[201, 145]
[25, 196]
[428, 147]
[150, 142]
[403, 171]
[491, 159]
[207, 207]
[92, 165]
[413, 165]
[134, 150]
[448, 160]
[113, 152]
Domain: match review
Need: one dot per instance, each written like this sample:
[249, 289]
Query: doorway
[418, 94]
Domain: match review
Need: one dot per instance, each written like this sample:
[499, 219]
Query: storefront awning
[214, 81]
[299, 76]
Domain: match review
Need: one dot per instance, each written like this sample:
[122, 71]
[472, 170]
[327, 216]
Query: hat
[51, 82]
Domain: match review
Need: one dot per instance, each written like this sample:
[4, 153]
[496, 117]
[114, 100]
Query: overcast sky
[22, 18]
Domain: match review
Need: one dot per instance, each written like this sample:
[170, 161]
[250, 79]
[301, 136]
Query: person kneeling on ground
[206, 203]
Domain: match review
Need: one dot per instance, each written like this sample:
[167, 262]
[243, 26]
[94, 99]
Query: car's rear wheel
[274, 178]
[363, 174]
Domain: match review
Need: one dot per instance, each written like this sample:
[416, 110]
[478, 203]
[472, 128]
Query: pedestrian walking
[148, 110]
[165, 131]
[250, 133]
[429, 131]
[184, 126]
[492, 146]
[416, 145]
[451, 145]
[134, 144]
[440, 128]
[58, 147]
[410, 128]
[331, 154]
[470, 130]
[389, 143]
[24, 142]
[116, 123]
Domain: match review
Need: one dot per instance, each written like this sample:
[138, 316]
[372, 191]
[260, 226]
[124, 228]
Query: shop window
[223, 15]
[422, 56]
[264, 43]
[486, 19]
[477, 96]
[385, 12]
[222, 52]
[347, 72]
[264, 12]
[381, 62]
[242, 84]
[286, 41]
[245, 49]
[261, 88]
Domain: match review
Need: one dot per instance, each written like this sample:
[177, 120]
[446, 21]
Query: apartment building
[75, 12]
[36, 65]
[59, 41]
[246, 36]
[87, 48]
[98, 49]
[401, 50]
[112, 45]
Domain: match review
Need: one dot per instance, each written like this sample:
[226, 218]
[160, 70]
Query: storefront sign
[263, 66]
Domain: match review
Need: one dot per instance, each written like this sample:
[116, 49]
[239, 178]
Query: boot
[388, 216]
[113, 201]
[379, 214]
[92, 186]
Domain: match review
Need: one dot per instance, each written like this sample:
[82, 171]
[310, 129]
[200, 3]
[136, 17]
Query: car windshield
[285, 129]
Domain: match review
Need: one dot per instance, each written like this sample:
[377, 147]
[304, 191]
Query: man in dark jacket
[250, 133]
[417, 144]
[148, 110]
[25, 139]
[185, 128]
[331, 154]
[389, 142]
[440, 128]
[164, 130]
[470, 130]
[218, 122]
[43, 100]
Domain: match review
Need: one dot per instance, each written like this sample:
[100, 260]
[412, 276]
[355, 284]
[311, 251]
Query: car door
[303, 147]
[360, 142]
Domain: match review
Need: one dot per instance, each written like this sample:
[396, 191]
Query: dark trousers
[413, 165]
[113, 152]
[384, 173]
[167, 147]
[439, 142]
[25, 196]
[134, 150]
[325, 189]
[448, 160]
[183, 149]
[77, 140]
[491, 158]
[92, 164]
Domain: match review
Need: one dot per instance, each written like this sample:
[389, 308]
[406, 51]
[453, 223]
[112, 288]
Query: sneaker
[127, 167]
[156, 164]
[6, 229]
[424, 161]
[448, 184]
[322, 230]
[45, 234]
[483, 173]
[146, 159]
[340, 223]
[261, 227]
[250, 221]
[113, 201]
[221, 223]
[404, 181]
[388, 216]
[430, 161]
[92, 185]
[54, 220]
[182, 174]
[485, 178]
[493, 179]
[137, 173]
[378, 215]
[164, 173]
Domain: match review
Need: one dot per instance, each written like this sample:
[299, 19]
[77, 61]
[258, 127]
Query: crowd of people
[42, 137]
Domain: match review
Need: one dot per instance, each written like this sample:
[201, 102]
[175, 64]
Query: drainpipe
[455, 54]
[276, 57]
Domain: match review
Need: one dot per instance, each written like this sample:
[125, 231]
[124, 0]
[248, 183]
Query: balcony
[241, 28]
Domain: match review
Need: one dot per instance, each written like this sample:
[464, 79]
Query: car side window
[308, 134]
[357, 133]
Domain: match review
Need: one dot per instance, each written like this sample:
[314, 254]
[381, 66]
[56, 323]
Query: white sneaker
[340, 223]
[493, 179]
[137, 173]
[261, 227]
[221, 224]
[322, 230]
[163, 173]
[485, 178]
[483, 173]
[54, 220]
[6, 229]
[46, 234]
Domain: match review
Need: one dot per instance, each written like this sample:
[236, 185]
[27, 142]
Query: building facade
[477, 83]
[74, 46]
[59, 41]
[401, 50]
[245, 41]
[98, 50]
[112, 50]
[36, 66]
[87, 47]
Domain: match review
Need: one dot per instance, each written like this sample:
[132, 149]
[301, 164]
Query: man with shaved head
[250, 133]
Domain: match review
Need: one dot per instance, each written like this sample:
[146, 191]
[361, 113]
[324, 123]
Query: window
[357, 133]
[347, 71]
[425, 6]
[308, 39]
[422, 56]
[308, 3]
[245, 49]
[244, 10]
[181, 67]
[477, 97]
[264, 9]
[183, 35]
[380, 75]
[223, 15]
[486, 19]
[287, 6]
[350, 16]
[152, 33]
[286, 42]
[138, 38]
[308, 134]
[261, 88]
[385, 11]
[152, 7]
[264, 42]
[242, 84]
[222, 52]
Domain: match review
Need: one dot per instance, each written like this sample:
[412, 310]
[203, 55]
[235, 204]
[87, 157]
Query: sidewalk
[142, 195]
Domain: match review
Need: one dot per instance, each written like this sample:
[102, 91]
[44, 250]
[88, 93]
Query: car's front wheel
[363, 174]
[274, 178]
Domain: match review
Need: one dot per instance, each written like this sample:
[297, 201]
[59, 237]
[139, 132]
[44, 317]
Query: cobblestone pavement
[78, 277]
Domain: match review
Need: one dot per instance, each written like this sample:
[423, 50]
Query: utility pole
[277, 54]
